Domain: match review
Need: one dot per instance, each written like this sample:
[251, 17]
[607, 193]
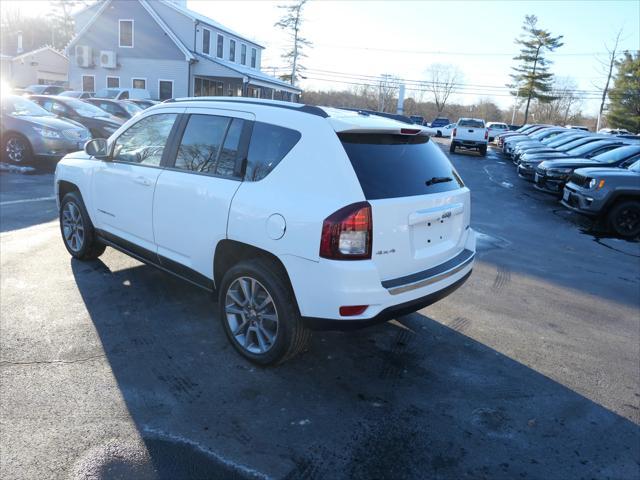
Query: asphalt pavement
[111, 369]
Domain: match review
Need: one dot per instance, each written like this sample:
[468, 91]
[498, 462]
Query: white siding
[152, 70]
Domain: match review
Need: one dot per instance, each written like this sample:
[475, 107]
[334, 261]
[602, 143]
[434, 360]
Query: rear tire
[259, 313]
[77, 230]
[483, 150]
[624, 218]
[452, 148]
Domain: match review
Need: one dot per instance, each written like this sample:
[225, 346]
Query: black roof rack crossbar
[303, 108]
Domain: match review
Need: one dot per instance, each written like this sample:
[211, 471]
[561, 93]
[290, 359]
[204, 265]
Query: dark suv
[609, 193]
[440, 122]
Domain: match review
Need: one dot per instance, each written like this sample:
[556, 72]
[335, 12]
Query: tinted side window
[391, 166]
[269, 145]
[201, 143]
[226, 165]
[144, 141]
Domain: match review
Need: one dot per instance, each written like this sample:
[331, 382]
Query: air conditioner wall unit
[83, 56]
[108, 59]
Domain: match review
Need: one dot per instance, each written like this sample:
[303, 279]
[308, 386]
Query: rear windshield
[471, 123]
[392, 166]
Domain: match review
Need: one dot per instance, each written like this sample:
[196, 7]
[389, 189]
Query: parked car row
[594, 174]
[47, 126]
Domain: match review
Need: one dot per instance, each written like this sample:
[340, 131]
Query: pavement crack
[50, 362]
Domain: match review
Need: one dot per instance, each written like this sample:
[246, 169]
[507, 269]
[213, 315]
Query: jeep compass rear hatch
[419, 206]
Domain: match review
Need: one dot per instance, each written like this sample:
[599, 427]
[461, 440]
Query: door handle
[142, 181]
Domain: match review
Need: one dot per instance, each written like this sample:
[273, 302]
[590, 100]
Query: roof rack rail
[299, 107]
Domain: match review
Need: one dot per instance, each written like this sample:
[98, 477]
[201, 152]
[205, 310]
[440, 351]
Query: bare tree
[609, 64]
[291, 22]
[387, 87]
[441, 81]
[565, 105]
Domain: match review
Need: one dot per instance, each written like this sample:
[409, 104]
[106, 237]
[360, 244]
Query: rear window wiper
[435, 180]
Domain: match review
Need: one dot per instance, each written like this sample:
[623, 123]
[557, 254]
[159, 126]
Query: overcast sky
[403, 37]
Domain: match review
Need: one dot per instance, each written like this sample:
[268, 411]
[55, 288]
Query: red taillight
[454, 131]
[486, 134]
[352, 310]
[409, 131]
[347, 233]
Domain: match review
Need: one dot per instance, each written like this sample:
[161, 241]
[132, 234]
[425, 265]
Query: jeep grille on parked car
[580, 180]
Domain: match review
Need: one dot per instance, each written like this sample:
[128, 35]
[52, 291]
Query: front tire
[624, 218]
[259, 313]
[17, 149]
[438, 133]
[77, 230]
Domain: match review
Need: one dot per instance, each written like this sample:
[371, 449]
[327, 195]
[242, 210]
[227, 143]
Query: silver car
[28, 132]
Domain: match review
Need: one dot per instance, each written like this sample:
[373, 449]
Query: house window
[113, 82]
[88, 83]
[220, 52]
[243, 54]
[126, 33]
[206, 40]
[254, 54]
[232, 50]
[207, 88]
[138, 83]
[165, 89]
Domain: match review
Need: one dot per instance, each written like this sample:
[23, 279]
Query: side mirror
[96, 147]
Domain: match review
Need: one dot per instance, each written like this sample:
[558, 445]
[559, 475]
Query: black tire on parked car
[624, 218]
[16, 149]
[452, 148]
[438, 133]
[259, 313]
[77, 230]
[483, 150]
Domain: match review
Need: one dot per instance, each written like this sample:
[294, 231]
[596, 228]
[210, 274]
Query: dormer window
[254, 55]
[243, 54]
[125, 32]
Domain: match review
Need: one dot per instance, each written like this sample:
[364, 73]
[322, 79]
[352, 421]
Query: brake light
[486, 134]
[347, 233]
[454, 131]
[409, 131]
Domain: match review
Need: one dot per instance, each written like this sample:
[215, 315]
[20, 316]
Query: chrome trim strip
[428, 281]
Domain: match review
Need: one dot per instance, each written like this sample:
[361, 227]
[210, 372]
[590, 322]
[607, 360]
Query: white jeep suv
[297, 217]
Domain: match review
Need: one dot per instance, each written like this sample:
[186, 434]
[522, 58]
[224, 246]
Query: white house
[44, 66]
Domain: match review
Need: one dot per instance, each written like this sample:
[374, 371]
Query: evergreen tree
[624, 108]
[291, 22]
[532, 77]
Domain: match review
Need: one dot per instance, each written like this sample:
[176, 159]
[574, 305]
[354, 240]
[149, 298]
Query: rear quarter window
[268, 146]
[393, 166]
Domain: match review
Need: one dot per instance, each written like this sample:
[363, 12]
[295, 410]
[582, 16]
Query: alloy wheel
[72, 226]
[251, 315]
[16, 149]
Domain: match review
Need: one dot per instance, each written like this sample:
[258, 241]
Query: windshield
[20, 107]
[471, 123]
[586, 148]
[132, 108]
[35, 88]
[575, 143]
[617, 154]
[392, 166]
[70, 93]
[85, 109]
[561, 139]
[635, 167]
[107, 93]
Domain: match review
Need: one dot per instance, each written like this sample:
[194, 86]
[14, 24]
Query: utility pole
[400, 108]
[515, 105]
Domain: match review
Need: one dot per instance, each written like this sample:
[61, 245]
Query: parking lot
[112, 369]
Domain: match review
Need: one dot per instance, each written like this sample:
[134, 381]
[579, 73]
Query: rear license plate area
[426, 235]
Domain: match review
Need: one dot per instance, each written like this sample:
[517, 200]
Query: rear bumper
[321, 288]
[387, 314]
[469, 143]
